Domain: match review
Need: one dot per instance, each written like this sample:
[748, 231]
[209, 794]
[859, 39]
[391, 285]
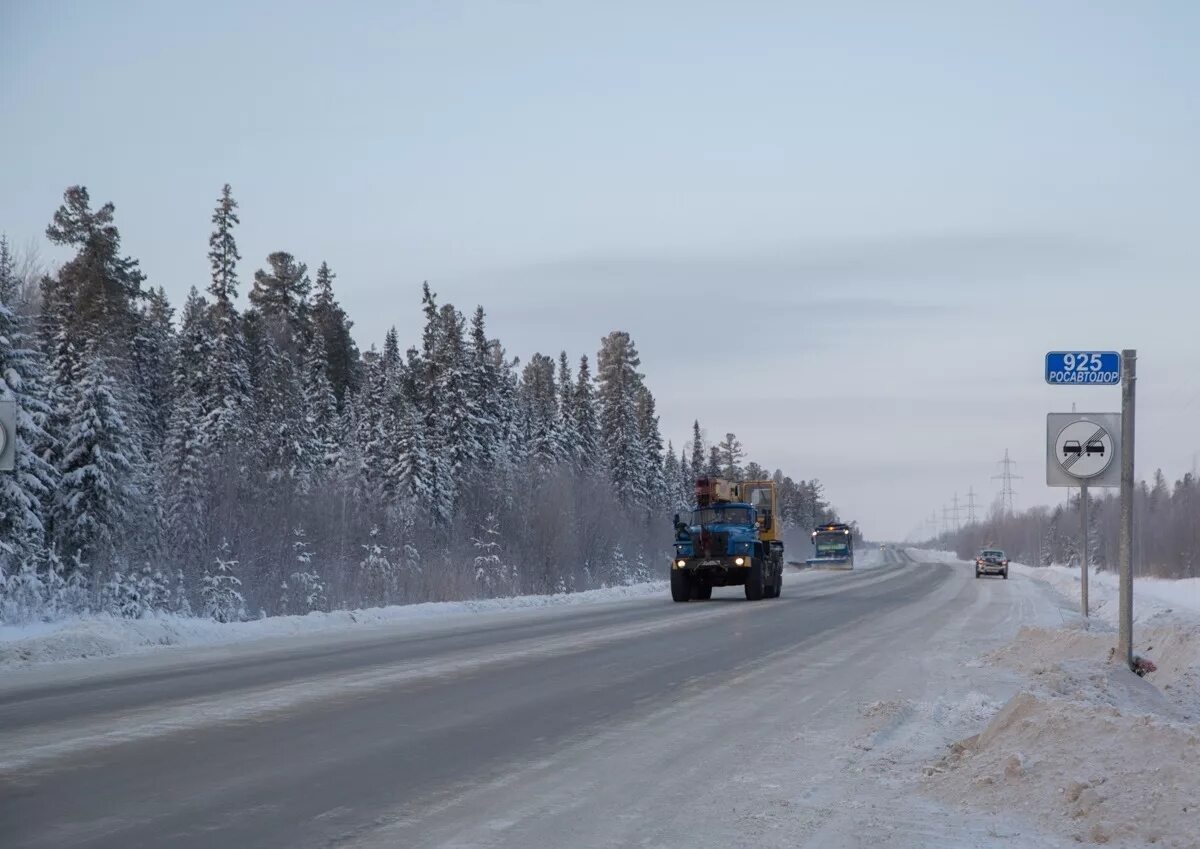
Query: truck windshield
[830, 543]
[722, 515]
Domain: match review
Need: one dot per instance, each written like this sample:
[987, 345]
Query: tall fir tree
[619, 382]
[225, 406]
[331, 323]
[586, 423]
[97, 495]
[280, 294]
[24, 491]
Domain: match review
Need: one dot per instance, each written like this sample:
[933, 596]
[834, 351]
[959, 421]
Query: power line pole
[956, 511]
[1006, 477]
[971, 506]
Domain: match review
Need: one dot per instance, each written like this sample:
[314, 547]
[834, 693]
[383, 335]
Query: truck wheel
[778, 583]
[701, 591]
[681, 585]
[754, 580]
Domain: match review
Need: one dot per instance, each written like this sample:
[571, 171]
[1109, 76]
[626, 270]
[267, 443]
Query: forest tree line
[236, 461]
[1166, 540]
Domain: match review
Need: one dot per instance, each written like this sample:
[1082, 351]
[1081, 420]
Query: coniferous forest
[236, 459]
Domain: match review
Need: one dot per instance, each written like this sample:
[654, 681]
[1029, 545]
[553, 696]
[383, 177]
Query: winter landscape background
[234, 461]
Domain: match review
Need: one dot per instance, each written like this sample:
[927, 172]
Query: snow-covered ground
[1086, 749]
[984, 714]
[107, 636]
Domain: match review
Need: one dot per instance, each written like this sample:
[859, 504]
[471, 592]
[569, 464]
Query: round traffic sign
[1084, 449]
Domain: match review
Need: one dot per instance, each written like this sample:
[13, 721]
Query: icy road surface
[802, 721]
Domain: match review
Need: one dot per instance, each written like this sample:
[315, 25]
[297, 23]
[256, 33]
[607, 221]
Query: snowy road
[637, 722]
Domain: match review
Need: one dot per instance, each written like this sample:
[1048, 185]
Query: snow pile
[104, 636]
[1154, 599]
[1087, 748]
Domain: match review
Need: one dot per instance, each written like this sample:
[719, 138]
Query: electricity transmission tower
[1006, 477]
[971, 506]
[956, 512]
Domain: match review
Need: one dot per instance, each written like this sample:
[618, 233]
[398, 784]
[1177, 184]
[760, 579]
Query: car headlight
[739, 561]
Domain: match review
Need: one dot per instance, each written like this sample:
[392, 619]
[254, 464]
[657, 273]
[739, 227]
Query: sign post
[1128, 385]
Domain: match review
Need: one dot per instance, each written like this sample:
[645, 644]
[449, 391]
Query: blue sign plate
[1083, 368]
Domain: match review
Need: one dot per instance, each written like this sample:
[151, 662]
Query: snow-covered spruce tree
[568, 435]
[280, 294]
[151, 358]
[226, 399]
[186, 450]
[98, 491]
[330, 321]
[586, 425]
[220, 589]
[483, 391]
[320, 436]
[457, 430]
[654, 483]
[23, 594]
[698, 464]
[377, 570]
[304, 590]
[25, 490]
[620, 381]
[490, 571]
[544, 444]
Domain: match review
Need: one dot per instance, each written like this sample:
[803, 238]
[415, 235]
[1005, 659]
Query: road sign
[1083, 368]
[1083, 448]
[8, 434]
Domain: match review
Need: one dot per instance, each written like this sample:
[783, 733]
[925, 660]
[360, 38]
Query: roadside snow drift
[106, 636]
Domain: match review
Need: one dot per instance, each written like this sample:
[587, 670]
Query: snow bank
[1154, 599]
[1086, 748]
[106, 636]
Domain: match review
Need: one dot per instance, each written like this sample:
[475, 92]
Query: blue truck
[731, 538]
[833, 546]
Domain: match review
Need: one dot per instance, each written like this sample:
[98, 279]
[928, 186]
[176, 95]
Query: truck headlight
[680, 563]
[739, 561]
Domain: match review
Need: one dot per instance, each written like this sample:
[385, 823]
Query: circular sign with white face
[1083, 449]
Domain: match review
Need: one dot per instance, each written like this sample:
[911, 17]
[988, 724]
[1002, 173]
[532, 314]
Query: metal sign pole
[1128, 384]
[1083, 549]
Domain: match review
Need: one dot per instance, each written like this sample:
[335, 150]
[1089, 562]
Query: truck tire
[681, 585]
[701, 591]
[778, 582]
[755, 589]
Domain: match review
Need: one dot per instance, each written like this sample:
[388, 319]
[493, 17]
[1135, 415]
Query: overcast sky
[848, 232]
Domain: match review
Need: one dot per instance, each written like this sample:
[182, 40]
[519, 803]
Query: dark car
[1094, 446]
[1072, 446]
[991, 561]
